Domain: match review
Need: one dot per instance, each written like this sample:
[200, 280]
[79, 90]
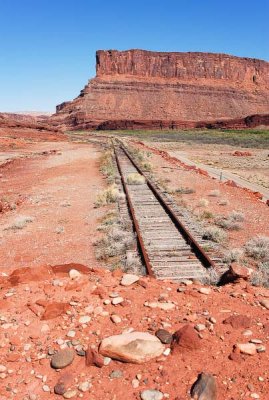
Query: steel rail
[191, 241]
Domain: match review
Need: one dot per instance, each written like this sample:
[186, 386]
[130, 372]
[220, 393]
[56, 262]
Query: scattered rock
[62, 359]
[59, 388]
[164, 336]
[135, 347]
[54, 310]
[239, 271]
[185, 338]
[205, 388]
[200, 327]
[265, 303]
[151, 395]
[204, 290]
[94, 358]
[158, 304]
[117, 300]
[70, 394]
[129, 279]
[116, 374]
[84, 319]
[246, 348]
[115, 318]
[238, 321]
[84, 386]
[74, 273]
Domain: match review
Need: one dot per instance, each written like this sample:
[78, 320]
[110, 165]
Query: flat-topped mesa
[143, 89]
[181, 66]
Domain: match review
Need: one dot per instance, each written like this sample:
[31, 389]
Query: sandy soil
[56, 192]
[254, 168]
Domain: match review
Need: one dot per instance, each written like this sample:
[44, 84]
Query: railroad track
[171, 244]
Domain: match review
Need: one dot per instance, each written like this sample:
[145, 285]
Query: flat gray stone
[62, 359]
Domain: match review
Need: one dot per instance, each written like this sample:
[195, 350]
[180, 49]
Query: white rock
[200, 327]
[129, 279]
[265, 303]
[117, 300]
[135, 383]
[84, 319]
[73, 274]
[151, 395]
[71, 334]
[135, 347]
[247, 348]
[2, 368]
[115, 318]
[204, 290]
[84, 386]
[158, 304]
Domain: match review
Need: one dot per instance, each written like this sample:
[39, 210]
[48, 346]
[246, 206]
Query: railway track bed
[169, 250]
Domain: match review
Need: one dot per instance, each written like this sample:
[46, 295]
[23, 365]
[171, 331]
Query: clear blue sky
[47, 51]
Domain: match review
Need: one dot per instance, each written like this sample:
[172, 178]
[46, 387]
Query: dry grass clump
[258, 248]
[107, 167]
[135, 179]
[20, 222]
[115, 243]
[107, 196]
[214, 193]
[212, 278]
[184, 190]
[233, 255]
[232, 222]
[214, 234]
[206, 215]
[260, 277]
[146, 166]
[203, 202]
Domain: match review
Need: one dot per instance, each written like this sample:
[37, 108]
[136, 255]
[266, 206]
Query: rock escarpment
[143, 89]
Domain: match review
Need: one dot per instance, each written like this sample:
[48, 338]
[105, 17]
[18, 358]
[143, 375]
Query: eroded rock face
[137, 89]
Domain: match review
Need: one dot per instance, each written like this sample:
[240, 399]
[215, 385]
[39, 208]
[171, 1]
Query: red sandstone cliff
[168, 89]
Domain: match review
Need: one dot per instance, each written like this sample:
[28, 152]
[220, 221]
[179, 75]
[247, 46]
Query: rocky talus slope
[143, 89]
[69, 331]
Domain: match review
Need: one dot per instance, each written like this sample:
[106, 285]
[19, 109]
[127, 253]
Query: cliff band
[138, 88]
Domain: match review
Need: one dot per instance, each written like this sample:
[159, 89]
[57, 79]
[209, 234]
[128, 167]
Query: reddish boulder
[238, 321]
[54, 310]
[27, 274]
[65, 268]
[185, 338]
[240, 271]
[94, 358]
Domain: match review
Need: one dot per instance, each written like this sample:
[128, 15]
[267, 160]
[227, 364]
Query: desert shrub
[237, 216]
[214, 193]
[233, 255]
[215, 234]
[20, 222]
[203, 202]
[206, 215]
[107, 166]
[231, 222]
[260, 277]
[258, 247]
[185, 190]
[135, 179]
[146, 166]
[107, 196]
[212, 277]
[115, 243]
